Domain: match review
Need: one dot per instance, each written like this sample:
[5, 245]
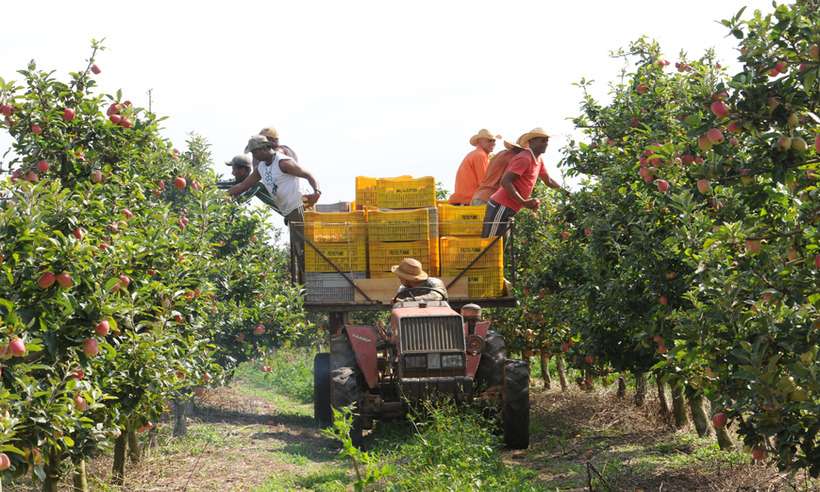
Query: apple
[80, 403]
[714, 135]
[758, 453]
[5, 462]
[69, 114]
[78, 374]
[704, 143]
[587, 231]
[17, 348]
[662, 349]
[781, 67]
[799, 144]
[102, 328]
[178, 318]
[663, 300]
[36, 129]
[773, 72]
[719, 420]
[206, 377]
[127, 213]
[646, 174]
[124, 281]
[753, 246]
[817, 143]
[90, 347]
[817, 262]
[125, 122]
[96, 176]
[113, 109]
[46, 280]
[565, 235]
[183, 222]
[791, 254]
[663, 185]
[266, 369]
[104, 246]
[719, 109]
[195, 185]
[565, 347]
[95, 69]
[6, 109]
[151, 272]
[180, 183]
[115, 118]
[642, 88]
[687, 159]
[42, 166]
[814, 52]
[704, 186]
[784, 143]
[589, 359]
[259, 329]
[663, 63]
[64, 280]
[658, 339]
[32, 177]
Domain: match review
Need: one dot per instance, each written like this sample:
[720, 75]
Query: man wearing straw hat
[473, 167]
[241, 168]
[416, 284]
[280, 175]
[495, 170]
[272, 135]
[517, 184]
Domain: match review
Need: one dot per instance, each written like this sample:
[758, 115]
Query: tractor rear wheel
[490, 371]
[322, 413]
[515, 411]
[346, 383]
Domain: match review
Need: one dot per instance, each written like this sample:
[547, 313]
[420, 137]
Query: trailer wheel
[490, 372]
[515, 412]
[346, 383]
[322, 413]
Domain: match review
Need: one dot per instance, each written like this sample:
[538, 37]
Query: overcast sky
[376, 88]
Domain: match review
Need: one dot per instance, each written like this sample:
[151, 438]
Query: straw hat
[524, 139]
[483, 133]
[269, 132]
[510, 145]
[257, 142]
[409, 269]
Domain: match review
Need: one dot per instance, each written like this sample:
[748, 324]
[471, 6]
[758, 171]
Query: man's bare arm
[240, 188]
[507, 183]
[290, 167]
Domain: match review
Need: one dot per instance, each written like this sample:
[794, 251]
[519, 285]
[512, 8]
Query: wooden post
[621, 387]
[80, 477]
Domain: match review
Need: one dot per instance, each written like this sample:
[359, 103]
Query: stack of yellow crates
[402, 222]
[342, 238]
[461, 243]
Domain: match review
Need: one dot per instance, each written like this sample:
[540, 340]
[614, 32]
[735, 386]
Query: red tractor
[428, 350]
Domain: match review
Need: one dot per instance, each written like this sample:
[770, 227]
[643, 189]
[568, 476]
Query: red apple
[113, 109]
[32, 177]
[658, 339]
[125, 122]
[687, 159]
[704, 186]
[68, 114]
[90, 347]
[642, 88]
[589, 359]
[46, 280]
[587, 231]
[814, 52]
[662, 349]
[64, 280]
[78, 374]
[791, 254]
[95, 69]
[733, 127]
[259, 330]
[178, 318]
[102, 328]
[6, 109]
[781, 66]
[17, 348]
[266, 369]
[714, 135]
[5, 462]
[817, 262]
[80, 403]
[115, 118]
[817, 143]
[183, 222]
[36, 129]
[646, 174]
[565, 347]
[180, 183]
[719, 109]
[784, 143]
[124, 281]
[753, 246]
[104, 246]
[42, 166]
[663, 185]
[663, 300]
[96, 176]
[758, 453]
[773, 72]
[127, 213]
[704, 143]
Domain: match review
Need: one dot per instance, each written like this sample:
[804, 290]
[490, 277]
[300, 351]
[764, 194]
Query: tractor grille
[432, 334]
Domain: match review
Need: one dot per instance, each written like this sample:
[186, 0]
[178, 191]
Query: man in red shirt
[495, 171]
[473, 167]
[517, 184]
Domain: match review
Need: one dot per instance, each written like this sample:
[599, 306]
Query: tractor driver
[416, 284]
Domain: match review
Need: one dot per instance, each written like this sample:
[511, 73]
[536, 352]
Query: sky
[373, 88]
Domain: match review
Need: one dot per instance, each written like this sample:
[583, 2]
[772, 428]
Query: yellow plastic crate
[401, 225]
[335, 227]
[383, 255]
[482, 283]
[456, 220]
[458, 252]
[404, 192]
[348, 257]
[366, 191]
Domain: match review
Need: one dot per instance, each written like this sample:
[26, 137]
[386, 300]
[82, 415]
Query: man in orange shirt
[492, 179]
[473, 168]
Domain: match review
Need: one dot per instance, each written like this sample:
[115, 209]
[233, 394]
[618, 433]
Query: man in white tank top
[280, 174]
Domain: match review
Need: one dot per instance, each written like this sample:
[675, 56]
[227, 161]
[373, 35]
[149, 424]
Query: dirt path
[238, 439]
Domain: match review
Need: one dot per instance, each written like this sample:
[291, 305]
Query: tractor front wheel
[346, 383]
[322, 413]
[515, 412]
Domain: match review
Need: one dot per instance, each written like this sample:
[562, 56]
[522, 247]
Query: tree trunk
[134, 451]
[545, 369]
[118, 470]
[662, 401]
[50, 484]
[640, 388]
[699, 416]
[621, 388]
[723, 438]
[562, 375]
[679, 405]
[80, 477]
[52, 471]
[180, 420]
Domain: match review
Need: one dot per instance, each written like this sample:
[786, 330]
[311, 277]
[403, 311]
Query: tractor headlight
[415, 361]
[433, 361]
[450, 361]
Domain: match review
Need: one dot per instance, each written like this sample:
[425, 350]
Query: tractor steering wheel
[425, 287]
